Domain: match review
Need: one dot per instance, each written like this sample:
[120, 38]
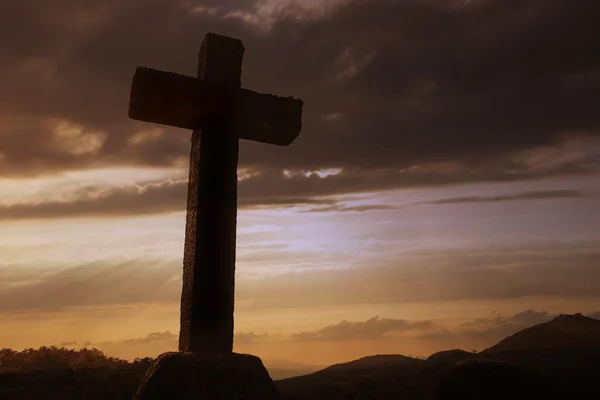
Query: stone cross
[219, 112]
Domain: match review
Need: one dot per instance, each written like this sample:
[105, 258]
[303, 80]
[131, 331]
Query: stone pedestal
[193, 376]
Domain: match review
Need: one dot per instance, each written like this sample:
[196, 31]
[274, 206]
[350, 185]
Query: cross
[219, 112]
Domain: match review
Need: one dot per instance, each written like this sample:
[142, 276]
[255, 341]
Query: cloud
[474, 273]
[361, 208]
[443, 274]
[486, 331]
[595, 315]
[168, 196]
[165, 196]
[498, 326]
[152, 198]
[102, 282]
[153, 338]
[154, 343]
[535, 195]
[479, 332]
[392, 85]
[373, 328]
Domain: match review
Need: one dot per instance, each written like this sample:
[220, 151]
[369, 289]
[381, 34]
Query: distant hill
[282, 369]
[372, 377]
[559, 357]
[565, 332]
[372, 362]
[566, 349]
[451, 356]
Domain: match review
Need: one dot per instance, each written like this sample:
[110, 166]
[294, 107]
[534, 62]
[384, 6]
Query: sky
[443, 192]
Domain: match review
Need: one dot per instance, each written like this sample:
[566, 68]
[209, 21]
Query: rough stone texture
[186, 102]
[207, 298]
[189, 376]
[220, 60]
[171, 99]
[267, 118]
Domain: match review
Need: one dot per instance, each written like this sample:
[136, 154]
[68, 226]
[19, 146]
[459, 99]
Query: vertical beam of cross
[214, 103]
[210, 237]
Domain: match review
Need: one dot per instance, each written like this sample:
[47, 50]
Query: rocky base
[187, 376]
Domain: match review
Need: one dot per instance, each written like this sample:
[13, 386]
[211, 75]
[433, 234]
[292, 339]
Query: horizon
[443, 192]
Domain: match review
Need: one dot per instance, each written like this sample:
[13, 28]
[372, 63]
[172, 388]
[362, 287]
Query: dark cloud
[362, 208]
[264, 190]
[537, 195]
[152, 198]
[388, 85]
[373, 328]
[170, 196]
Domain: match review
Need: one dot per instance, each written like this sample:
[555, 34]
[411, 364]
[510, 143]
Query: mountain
[282, 369]
[372, 377]
[451, 356]
[565, 332]
[370, 363]
[566, 349]
[555, 360]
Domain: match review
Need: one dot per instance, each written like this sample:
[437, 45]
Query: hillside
[450, 356]
[373, 377]
[565, 332]
[282, 369]
[560, 357]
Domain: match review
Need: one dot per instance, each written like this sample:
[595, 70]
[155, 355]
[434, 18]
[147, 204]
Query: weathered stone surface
[220, 60]
[185, 102]
[207, 298]
[267, 118]
[172, 99]
[191, 376]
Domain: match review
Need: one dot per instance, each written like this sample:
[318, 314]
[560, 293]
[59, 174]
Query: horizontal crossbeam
[185, 102]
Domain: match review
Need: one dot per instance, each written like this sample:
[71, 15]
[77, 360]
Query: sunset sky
[444, 191]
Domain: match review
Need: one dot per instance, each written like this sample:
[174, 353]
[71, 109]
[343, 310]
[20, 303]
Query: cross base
[187, 376]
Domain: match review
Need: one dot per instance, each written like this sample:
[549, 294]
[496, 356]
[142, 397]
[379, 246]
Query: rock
[194, 376]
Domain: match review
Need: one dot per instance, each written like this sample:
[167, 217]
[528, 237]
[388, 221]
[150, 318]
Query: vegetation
[54, 358]
[59, 373]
